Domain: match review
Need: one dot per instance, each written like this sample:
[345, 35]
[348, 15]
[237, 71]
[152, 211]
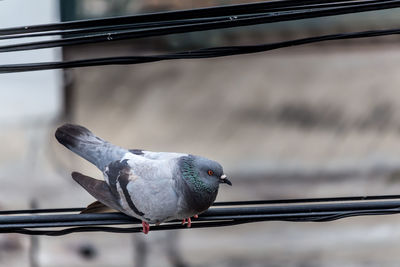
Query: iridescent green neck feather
[191, 175]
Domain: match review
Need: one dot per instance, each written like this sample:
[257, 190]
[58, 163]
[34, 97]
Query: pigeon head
[202, 178]
[202, 174]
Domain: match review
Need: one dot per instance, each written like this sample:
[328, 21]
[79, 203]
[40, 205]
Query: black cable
[114, 28]
[246, 212]
[11, 212]
[194, 54]
[306, 200]
[226, 23]
[219, 222]
[79, 31]
[225, 214]
[116, 229]
[217, 11]
[230, 203]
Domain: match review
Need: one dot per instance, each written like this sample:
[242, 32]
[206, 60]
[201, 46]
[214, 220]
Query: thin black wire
[194, 54]
[116, 229]
[230, 203]
[202, 26]
[78, 30]
[114, 28]
[33, 211]
[314, 217]
[325, 218]
[306, 200]
[229, 211]
[218, 11]
[251, 211]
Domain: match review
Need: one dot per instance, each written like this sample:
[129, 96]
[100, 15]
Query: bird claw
[188, 221]
[146, 227]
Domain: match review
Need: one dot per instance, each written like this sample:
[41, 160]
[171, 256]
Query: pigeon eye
[210, 172]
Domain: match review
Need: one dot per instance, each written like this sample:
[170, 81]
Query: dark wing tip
[80, 178]
[76, 176]
[83, 180]
[67, 134]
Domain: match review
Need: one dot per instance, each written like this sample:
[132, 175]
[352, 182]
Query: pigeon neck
[198, 194]
[191, 176]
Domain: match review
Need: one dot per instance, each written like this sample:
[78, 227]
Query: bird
[154, 187]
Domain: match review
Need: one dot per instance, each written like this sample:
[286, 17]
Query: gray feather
[118, 174]
[92, 148]
[98, 189]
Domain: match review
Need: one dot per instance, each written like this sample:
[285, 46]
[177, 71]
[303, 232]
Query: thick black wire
[236, 220]
[306, 200]
[114, 28]
[116, 229]
[194, 54]
[230, 203]
[79, 31]
[226, 10]
[293, 217]
[227, 23]
[212, 212]
[337, 208]
[30, 211]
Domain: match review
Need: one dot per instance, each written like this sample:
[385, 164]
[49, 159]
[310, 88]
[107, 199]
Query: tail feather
[98, 207]
[84, 143]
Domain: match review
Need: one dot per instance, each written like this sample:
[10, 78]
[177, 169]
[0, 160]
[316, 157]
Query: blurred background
[320, 120]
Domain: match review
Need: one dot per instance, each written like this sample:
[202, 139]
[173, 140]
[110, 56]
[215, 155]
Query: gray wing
[118, 174]
[98, 189]
[144, 184]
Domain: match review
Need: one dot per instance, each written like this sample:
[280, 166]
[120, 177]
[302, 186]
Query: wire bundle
[42, 222]
[171, 22]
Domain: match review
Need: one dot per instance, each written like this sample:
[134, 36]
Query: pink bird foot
[146, 227]
[189, 221]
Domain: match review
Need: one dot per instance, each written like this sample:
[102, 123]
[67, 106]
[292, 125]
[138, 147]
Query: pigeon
[154, 187]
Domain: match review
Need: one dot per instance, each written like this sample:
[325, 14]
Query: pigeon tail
[92, 148]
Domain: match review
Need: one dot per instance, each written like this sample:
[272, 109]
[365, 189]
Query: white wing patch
[124, 203]
[153, 155]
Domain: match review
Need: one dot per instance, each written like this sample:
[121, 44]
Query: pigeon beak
[224, 180]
